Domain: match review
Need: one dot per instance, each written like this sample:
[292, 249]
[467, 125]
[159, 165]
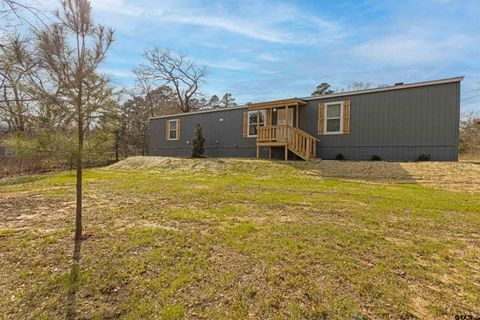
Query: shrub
[339, 156]
[198, 142]
[424, 157]
[375, 157]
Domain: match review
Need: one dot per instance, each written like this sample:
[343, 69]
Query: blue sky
[260, 50]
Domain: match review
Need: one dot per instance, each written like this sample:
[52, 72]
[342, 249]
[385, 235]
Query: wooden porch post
[286, 115]
[296, 115]
[286, 153]
[256, 138]
[308, 150]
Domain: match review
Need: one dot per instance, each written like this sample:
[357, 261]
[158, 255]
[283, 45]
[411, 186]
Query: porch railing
[278, 133]
[298, 141]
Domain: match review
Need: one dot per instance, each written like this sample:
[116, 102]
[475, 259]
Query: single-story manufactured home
[399, 122]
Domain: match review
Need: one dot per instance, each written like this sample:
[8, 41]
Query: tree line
[39, 67]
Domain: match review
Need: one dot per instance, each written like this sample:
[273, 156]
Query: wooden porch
[281, 128]
[299, 142]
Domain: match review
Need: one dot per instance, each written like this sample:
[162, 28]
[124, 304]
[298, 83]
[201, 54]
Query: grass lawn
[235, 239]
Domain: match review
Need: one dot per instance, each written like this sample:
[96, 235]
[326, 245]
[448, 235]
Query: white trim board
[390, 88]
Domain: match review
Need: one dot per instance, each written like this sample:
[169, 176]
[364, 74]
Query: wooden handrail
[278, 133]
[298, 141]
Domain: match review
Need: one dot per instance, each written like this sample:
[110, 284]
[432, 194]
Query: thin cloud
[409, 48]
[229, 64]
[268, 21]
[231, 26]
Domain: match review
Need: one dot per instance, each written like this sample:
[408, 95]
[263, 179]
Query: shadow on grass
[74, 281]
[373, 171]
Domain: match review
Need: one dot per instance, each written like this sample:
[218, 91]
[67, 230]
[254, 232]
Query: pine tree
[198, 142]
[228, 101]
[71, 51]
[214, 102]
[322, 89]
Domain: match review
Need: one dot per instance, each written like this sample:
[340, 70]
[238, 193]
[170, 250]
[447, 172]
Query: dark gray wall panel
[396, 125]
[223, 131]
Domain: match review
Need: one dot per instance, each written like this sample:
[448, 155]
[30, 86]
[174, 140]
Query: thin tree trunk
[117, 145]
[78, 212]
[79, 186]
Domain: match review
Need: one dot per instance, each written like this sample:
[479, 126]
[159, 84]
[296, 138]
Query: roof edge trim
[389, 88]
[197, 112]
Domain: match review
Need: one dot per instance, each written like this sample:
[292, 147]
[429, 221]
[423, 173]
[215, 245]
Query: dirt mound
[211, 165]
[454, 176]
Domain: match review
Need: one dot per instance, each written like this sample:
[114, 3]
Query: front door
[285, 117]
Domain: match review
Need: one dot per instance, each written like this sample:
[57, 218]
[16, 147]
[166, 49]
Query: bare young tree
[176, 70]
[70, 52]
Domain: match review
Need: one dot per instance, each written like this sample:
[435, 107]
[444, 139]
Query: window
[333, 117]
[255, 118]
[173, 130]
[8, 152]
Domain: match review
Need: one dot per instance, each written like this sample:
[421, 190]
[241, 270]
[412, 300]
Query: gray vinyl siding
[222, 138]
[395, 124]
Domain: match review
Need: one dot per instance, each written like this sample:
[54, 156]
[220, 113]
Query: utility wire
[475, 95]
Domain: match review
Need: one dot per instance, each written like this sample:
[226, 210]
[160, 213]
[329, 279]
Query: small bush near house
[375, 157]
[339, 156]
[424, 157]
[198, 142]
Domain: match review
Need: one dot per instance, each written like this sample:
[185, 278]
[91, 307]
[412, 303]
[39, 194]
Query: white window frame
[327, 118]
[248, 121]
[170, 130]
[8, 153]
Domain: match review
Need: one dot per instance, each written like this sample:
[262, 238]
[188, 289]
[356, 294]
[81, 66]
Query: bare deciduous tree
[71, 51]
[356, 85]
[17, 106]
[144, 101]
[167, 68]
[470, 134]
[14, 13]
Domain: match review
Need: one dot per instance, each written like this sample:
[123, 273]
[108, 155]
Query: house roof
[301, 101]
[389, 88]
